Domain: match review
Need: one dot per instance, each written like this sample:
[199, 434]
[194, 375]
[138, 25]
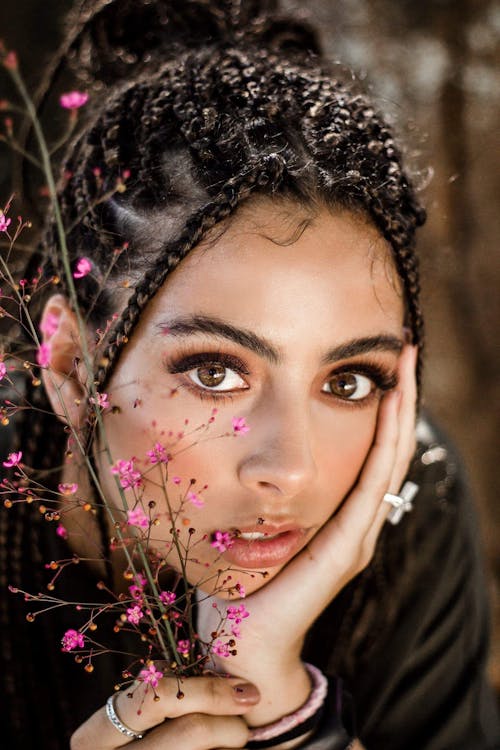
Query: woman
[295, 308]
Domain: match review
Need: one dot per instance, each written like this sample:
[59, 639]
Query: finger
[362, 505]
[138, 709]
[365, 512]
[406, 441]
[197, 732]
[407, 416]
[377, 526]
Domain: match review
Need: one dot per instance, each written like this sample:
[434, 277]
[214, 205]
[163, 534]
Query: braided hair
[244, 109]
[215, 103]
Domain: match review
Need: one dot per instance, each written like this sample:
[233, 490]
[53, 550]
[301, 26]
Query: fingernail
[245, 692]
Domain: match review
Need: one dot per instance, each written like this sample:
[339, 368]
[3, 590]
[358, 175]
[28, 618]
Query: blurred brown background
[433, 66]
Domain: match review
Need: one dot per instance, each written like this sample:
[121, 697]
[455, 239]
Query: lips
[265, 546]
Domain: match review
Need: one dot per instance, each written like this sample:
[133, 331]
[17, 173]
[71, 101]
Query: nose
[279, 456]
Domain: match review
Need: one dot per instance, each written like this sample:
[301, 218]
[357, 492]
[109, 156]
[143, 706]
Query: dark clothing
[408, 637]
[416, 667]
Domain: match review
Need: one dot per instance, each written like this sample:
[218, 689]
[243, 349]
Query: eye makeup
[382, 377]
[185, 361]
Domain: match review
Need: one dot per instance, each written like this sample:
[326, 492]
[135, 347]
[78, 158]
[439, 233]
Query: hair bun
[111, 38]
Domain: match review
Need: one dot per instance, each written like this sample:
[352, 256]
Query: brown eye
[351, 386]
[211, 375]
[217, 377]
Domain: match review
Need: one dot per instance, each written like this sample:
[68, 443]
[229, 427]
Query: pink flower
[137, 517]
[240, 589]
[151, 675]
[13, 459]
[43, 355]
[72, 639]
[222, 541]
[237, 613]
[3, 370]
[134, 614]
[135, 591]
[158, 455]
[49, 324]
[221, 649]
[195, 499]
[73, 99]
[176, 480]
[83, 267]
[184, 647]
[129, 477]
[137, 588]
[62, 531]
[4, 223]
[240, 425]
[140, 580]
[67, 488]
[167, 597]
[101, 400]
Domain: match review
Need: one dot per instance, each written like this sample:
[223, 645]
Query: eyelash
[383, 379]
[186, 362]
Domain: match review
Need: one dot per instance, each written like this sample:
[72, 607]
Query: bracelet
[294, 725]
[116, 721]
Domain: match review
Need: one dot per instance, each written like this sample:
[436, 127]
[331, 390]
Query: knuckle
[213, 690]
[217, 694]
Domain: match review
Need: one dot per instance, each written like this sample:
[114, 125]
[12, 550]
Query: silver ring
[114, 719]
[401, 503]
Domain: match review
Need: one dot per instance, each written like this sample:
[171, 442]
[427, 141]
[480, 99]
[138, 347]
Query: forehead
[277, 266]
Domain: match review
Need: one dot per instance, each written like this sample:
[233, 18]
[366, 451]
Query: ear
[64, 376]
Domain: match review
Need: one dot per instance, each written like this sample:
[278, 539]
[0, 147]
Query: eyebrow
[190, 325]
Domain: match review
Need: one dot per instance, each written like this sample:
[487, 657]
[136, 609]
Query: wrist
[282, 692]
[293, 729]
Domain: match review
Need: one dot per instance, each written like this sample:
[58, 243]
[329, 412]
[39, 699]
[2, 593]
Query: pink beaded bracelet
[316, 699]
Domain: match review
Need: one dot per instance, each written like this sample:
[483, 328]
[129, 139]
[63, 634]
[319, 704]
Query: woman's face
[297, 332]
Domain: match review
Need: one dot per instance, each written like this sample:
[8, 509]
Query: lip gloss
[264, 548]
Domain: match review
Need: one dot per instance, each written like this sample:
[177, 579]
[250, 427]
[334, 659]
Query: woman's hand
[207, 717]
[282, 611]
[210, 714]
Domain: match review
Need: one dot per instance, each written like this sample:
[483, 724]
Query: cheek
[342, 450]
[130, 435]
[197, 450]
